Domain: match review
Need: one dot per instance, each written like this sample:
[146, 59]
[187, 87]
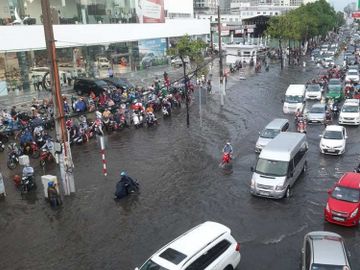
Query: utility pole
[65, 160]
[220, 61]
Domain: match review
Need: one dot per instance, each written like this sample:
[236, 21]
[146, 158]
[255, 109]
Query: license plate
[331, 150]
[264, 193]
[339, 219]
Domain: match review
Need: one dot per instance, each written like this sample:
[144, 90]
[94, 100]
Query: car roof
[334, 128]
[282, 146]
[352, 101]
[350, 179]
[327, 248]
[295, 89]
[277, 123]
[320, 105]
[192, 241]
[352, 70]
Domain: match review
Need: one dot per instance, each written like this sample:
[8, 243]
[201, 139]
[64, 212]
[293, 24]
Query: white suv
[350, 112]
[208, 246]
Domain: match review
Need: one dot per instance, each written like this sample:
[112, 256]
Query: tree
[193, 50]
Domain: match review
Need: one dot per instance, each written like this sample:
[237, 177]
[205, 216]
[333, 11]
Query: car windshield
[334, 90]
[333, 135]
[350, 109]
[269, 133]
[150, 265]
[334, 82]
[317, 266]
[352, 73]
[346, 194]
[294, 99]
[313, 88]
[271, 167]
[317, 110]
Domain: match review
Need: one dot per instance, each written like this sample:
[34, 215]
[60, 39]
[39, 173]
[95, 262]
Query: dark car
[86, 85]
[121, 83]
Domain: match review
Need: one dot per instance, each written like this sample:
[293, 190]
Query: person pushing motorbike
[125, 186]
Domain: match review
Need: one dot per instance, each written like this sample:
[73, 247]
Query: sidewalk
[142, 78]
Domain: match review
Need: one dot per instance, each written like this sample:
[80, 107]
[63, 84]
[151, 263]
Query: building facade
[205, 6]
[91, 36]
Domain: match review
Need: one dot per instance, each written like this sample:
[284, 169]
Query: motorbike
[137, 119]
[13, 159]
[166, 111]
[301, 125]
[45, 157]
[151, 119]
[32, 149]
[328, 120]
[335, 109]
[27, 180]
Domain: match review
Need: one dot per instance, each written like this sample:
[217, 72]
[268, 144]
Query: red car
[344, 201]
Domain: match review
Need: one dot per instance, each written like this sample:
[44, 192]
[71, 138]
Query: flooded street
[181, 186]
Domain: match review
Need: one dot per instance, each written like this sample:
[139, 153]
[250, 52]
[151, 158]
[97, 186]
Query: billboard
[152, 52]
[356, 15]
[150, 11]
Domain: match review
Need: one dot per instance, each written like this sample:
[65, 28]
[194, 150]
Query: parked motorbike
[137, 119]
[32, 150]
[166, 111]
[45, 157]
[13, 157]
[27, 180]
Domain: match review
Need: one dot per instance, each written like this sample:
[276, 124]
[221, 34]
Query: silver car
[316, 114]
[324, 250]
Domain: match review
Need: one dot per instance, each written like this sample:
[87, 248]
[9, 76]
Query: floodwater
[181, 186]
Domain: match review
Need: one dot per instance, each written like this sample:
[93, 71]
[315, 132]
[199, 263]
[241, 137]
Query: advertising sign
[152, 52]
[356, 15]
[3, 88]
[150, 11]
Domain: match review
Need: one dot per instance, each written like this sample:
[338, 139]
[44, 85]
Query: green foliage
[307, 21]
[186, 47]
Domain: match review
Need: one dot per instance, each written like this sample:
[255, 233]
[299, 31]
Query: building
[206, 6]
[225, 6]
[129, 35]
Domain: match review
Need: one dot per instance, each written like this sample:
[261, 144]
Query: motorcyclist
[53, 194]
[26, 138]
[298, 114]
[125, 186]
[228, 149]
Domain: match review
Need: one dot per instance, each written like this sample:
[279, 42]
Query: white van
[279, 164]
[294, 98]
[208, 246]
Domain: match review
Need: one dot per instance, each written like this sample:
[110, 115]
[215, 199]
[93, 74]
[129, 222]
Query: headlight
[353, 214]
[252, 183]
[279, 187]
[327, 207]
[323, 145]
[338, 146]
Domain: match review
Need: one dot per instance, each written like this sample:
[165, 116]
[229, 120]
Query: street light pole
[220, 61]
[65, 160]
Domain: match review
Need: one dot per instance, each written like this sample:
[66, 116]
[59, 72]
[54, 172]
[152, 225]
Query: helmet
[228, 142]
[123, 173]
[50, 184]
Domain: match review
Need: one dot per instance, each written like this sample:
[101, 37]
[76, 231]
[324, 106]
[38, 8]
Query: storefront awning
[31, 37]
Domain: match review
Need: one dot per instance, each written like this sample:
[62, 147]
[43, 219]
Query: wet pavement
[181, 186]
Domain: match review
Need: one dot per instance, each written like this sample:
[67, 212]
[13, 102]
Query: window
[210, 256]
[173, 256]
[299, 155]
[307, 255]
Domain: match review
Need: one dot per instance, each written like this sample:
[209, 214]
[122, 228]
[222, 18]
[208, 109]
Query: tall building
[206, 6]
[225, 6]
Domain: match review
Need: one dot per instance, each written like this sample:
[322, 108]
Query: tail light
[237, 247]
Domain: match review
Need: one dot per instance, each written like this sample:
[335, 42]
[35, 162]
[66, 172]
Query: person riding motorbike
[228, 149]
[26, 138]
[125, 186]
[328, 117]
[53, 194]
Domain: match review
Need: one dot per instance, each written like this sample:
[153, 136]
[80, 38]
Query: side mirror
[252, 169]
[329, 191]
[346, 136]
[320, 135]
[137, 268]
[259, 132]
[282, 100]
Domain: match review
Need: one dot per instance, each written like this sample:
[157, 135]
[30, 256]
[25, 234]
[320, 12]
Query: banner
[150, 11]
[152, 52]
[356, 15]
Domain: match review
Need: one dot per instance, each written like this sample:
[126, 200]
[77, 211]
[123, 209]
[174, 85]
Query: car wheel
[229, 267]
[288, 192]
